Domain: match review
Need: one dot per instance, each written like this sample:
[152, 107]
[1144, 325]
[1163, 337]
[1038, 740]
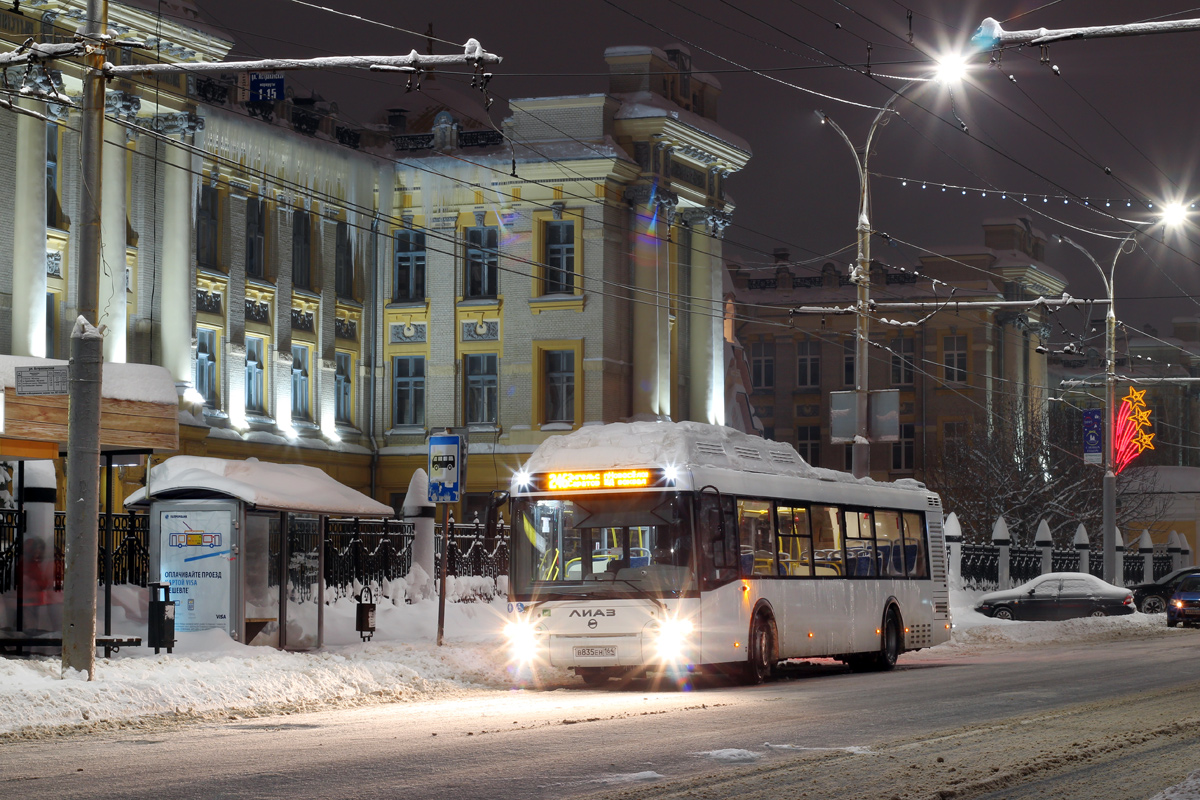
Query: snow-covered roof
[288, 487]
[642, 105]
[145, 382]
[684, 444]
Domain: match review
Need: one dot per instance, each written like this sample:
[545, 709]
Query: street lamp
[949, 69]
[1173, 215]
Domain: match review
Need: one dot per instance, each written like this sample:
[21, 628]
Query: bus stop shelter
[138, 416]
[242, 545]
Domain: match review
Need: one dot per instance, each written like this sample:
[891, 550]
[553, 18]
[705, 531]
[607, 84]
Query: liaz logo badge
[593, 612]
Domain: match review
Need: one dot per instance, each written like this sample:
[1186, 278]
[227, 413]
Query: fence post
[952, 532]
[1001, 539]
[1120, 548]
[1084, 548]
[1045, 542]
[420, 512]
[1174, 549]
[1146, 548]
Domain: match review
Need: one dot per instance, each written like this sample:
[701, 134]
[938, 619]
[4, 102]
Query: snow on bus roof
[682, 444]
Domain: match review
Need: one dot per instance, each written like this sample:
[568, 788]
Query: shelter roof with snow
[264, 485]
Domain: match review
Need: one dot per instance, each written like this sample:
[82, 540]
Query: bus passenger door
[723, 618]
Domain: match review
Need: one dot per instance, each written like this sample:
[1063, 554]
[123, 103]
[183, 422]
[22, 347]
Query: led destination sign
[609, 479]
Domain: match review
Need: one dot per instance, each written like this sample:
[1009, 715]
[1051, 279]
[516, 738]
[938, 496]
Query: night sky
[1125, 104]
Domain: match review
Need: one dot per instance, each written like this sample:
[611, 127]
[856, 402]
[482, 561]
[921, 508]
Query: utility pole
[86, 366]
[86, 371]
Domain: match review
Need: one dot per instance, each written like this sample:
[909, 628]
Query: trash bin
[160, 630]
[365, 614]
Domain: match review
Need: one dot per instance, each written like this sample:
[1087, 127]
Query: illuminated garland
[1024, 197]
[1130, 434]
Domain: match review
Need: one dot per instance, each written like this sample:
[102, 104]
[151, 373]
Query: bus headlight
[522, 640]
[673, 638]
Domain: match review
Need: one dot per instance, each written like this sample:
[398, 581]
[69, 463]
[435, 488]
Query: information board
[266, 86]
[195, 554]
[1093, 435]
[42, 380]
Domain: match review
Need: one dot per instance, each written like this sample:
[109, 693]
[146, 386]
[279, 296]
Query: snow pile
[1188, 790]
[210, 675]
[291, 487]
[732, 756]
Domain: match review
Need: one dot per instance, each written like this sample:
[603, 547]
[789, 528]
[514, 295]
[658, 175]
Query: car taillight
[1128, 599]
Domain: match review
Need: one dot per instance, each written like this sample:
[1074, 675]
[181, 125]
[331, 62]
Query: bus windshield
[602, 545]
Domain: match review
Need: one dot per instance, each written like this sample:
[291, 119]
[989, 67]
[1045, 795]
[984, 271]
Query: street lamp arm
[1092, 259]
[858, 163]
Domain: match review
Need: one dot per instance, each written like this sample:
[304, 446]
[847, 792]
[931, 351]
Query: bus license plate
[596, 652]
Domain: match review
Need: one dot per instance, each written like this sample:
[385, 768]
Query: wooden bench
[254, 626]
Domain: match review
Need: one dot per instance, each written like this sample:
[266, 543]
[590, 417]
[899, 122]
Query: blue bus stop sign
[445, 468]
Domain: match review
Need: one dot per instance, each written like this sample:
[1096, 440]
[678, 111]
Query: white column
[29, 237]
[645, 311]
[113, 294]
[177, 283]
[700, 330]
[663, 269]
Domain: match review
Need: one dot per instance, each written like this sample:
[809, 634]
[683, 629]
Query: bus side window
[888, 544]
[827, 540]
[795, 542]
[914, 546]
[757, 545]
[860, 544]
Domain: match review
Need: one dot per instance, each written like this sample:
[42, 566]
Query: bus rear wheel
[889, 648]
[760, 655]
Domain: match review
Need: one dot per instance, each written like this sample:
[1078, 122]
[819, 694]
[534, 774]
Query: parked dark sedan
[1152, 598]
[1184, 607]
[1058, 595]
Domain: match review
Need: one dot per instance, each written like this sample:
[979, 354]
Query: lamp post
[1172, 216]
[860, 275]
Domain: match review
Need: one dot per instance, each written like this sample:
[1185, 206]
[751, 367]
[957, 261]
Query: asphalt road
[1100, 720]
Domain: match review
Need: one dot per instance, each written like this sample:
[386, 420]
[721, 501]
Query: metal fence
[980, 565]
[357, 552]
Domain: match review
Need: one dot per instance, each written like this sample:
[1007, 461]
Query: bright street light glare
[951, 68]
[1174, 214]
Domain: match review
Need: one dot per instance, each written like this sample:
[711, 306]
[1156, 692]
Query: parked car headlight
[672, 638]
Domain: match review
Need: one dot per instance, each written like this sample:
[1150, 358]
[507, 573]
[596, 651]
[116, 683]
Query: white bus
[680, 547]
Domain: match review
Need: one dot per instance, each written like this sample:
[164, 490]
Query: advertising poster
[196, 550]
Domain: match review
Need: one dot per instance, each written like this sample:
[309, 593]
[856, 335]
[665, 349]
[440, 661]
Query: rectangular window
[344, 262]
[408, 270]
[762, 365]
[560, 258]
[914, 546]
[808, 443]
[482, 262]
[756, 537]
[888, 544]
[902, 362]
[206, 227]
[902, 450]
[482, 382]
[301, 249]
[795, 542]
[954, 358]
[860, 544]
[343, 387]
[560, 386]
[408, 394]
[256, 373]
[848, 356]
[808, 363]
[827, 540]
[52, 203]
[207, 343]
[954, 435]
[299, 382]
[256, 237]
